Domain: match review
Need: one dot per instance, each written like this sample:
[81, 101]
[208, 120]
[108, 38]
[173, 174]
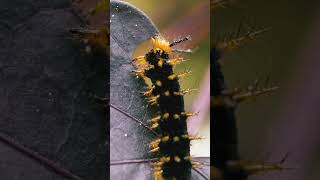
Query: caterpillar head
[160, 43]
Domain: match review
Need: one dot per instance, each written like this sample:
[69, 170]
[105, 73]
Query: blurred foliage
[276, 54]
[102, 6]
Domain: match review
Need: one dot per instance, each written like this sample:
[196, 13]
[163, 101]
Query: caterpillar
[173, 144]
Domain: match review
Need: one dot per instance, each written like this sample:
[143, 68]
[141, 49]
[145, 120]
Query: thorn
[153, 146]
[183, 92]
[229, 45]
[149, 91]
[217, 3]
[138, 58]
[165, 159]
[155, 143]
[177, 159]
[160, 163]
[172, 77]
[181, 75]
[191, 138]
[165, 139]
[154, 100]
[155, 125]
[155, 150]
[252, 93]
[176, 61]
[185, 136]
[284, 158]
[158, 173]
[157, 168]
[188, 114]
[195, 138]
[182, 50]
[196, 165]
[159, 83]
[251, 167]
[176, 139]
[155, 119]
[176, 116]
[165, 116]
[187, 158]
[187, 38]
[167, 93]
[160, 63]
[139, 73]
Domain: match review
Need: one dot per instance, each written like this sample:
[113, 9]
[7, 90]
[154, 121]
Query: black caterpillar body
[173, 144]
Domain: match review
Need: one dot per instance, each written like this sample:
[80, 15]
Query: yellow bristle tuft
[172, 77]
[155, 150]
[165, 139]
[160, 43]
[159, 83]
[176, 61]
[158, 175]
[177, 159]
[185, 136]
[148, 92]
[157, 168]
[187, 158]
[184, 74]
[156, 164]
[160, 63]
[167, 93]
[154, 126]
[183, 92]
[194, 138]
[165, 159]
[176, 116]
[155, 119]
[196, 165]
[165, 116]
[176, 139]
[154, 144]
[188, 114]
[154, 100]
[139, 73]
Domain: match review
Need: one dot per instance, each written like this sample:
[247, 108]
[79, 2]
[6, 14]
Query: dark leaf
[129, 151]
[46, 84]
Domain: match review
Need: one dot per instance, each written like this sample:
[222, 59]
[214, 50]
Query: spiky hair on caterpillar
[173, 144]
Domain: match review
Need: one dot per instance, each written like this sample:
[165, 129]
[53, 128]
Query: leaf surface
[46, 82]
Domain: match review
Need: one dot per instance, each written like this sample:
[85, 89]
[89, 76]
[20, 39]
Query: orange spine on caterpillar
[173, 145]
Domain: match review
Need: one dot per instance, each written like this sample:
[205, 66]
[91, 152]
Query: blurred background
[288, 120]
[176, 19]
